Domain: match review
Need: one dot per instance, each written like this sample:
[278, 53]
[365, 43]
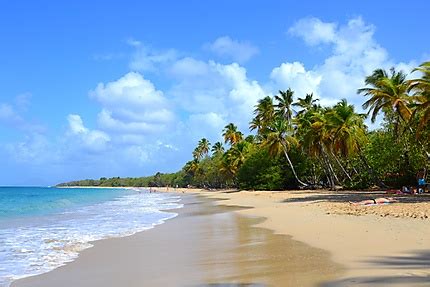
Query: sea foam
[37, 244]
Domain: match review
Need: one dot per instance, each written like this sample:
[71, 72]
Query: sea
[42, 228]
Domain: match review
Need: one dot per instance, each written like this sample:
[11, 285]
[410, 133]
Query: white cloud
[147, 59]
[294, 76]
[94, 140]
[222, 90]
[131, 104]
[188, 67]
[314, 31]
[355, 54]
[233, 49]
[32, 149]
[13, 115]
[133, 42]
[7, 113]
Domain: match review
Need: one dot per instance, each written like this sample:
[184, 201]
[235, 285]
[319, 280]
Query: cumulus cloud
[294, 76]
[145, 58]
[217, 92]
[93, 140]
[13, 115]
[314, 31]
[32, 149]
[354, 54]
[132, 105]
[232, 49]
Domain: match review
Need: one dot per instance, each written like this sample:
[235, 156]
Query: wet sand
[380, 246]
[206, 245]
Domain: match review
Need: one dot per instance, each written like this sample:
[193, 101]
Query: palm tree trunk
[327, 172]
[291, 166]
[420, 143]
[332, 174]
[341, 166]
[325, 154]
[376, 179]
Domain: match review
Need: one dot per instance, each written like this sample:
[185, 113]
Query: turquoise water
[30, 201]
[43, 228]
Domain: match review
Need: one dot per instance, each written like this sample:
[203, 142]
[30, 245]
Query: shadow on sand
[345, 196]
[413, 264]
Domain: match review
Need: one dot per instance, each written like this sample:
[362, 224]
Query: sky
[94, 89]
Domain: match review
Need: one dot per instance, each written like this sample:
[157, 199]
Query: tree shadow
[346, 196]
[230, 285]
[419, 260]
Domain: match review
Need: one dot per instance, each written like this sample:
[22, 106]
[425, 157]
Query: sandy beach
[379, 245]
[291, 238]
[206, 245]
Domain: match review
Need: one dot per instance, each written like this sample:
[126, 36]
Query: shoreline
[377, 244]
[375, 247]
[207, 243]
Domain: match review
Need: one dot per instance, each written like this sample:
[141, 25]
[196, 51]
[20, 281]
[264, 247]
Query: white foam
[41, 245]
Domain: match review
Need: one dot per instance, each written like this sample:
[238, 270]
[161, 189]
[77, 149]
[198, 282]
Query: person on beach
[379, 200]
[421, 179]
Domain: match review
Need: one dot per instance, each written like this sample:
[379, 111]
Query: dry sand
[380, 245]
[206, 245]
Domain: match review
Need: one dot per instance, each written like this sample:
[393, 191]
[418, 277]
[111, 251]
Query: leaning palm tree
[231, 134]
[279, 139]
[346, 130]
[387, 91]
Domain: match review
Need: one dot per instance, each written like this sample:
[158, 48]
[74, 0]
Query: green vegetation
[302, 144]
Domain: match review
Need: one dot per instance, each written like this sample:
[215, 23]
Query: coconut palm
[204, 146]
[387, 91]
[202, 149]
[235, 157]
[283, 106]
[346, 127]
[346, 131]
[231, 134]
[217, 149]
[307, 103]
[421, 97]
[279, 138]
[264, 113]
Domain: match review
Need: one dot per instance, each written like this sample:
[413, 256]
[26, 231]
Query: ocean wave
[42, 244]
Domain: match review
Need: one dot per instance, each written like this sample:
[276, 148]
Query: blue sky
[127, 88]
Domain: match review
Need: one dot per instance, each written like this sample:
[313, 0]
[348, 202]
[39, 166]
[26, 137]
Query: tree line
[301, 144]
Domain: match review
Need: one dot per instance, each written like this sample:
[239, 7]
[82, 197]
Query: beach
[290, 238]
[379, 245]
[205, 244]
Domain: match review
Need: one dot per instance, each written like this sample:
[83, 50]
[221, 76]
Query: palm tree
[306, 104]
[421, 97]
[346, 130]
[387, 91]
[202, 149]
[264, 113]
[231, 134]
[217, 149]
[235, 157]
[283, 107]
[191, 167]
[204, 146]
[279, 139]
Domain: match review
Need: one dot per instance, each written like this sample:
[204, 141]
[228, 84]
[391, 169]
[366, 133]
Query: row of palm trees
[333, 136]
